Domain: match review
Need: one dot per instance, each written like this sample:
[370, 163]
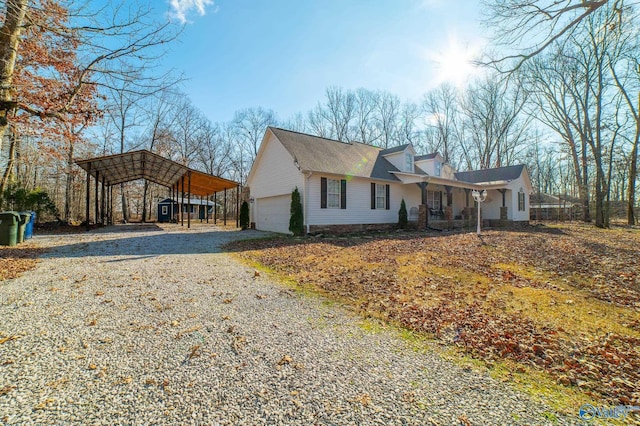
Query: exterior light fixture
[479, 197]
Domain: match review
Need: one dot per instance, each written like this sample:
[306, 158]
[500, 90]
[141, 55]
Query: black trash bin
[9, 228]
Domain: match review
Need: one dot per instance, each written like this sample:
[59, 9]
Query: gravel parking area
[147, 325]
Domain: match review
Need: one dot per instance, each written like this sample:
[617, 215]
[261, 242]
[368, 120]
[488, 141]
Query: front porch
[453, 207]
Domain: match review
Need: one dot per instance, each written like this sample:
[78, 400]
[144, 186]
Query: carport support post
[110, 204]
[88, 197]
[174, 198]
[97, 216]
[102, 203]
[224, 212]
[201, 205]
[182, 204]
[189, 203]
[215, 208]
[206, 211]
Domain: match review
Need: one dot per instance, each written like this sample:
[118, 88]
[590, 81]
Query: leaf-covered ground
[17, 259]
[564, 300]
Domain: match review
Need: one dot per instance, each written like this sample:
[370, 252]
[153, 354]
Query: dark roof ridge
[496, 168]
[426, 156]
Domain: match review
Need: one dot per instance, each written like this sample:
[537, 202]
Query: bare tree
[408, 131]
[386, 119]
[160, 114]
[187, 127]
[442, 110]
[496, 124]
[251, 124]
[529, 27]
[575, 96]
[215, 151]
[364, 129]
[339, 112]
[624, 66]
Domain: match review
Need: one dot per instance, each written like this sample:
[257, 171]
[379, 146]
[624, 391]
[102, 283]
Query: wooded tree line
[569, 111]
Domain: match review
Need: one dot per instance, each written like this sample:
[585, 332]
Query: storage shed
[169, 207]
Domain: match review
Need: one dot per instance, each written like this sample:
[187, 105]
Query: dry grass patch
[559, 301]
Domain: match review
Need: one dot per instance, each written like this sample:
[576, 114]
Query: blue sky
[283, 54]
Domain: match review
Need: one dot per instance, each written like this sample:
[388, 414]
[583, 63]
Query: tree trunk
[600, 195]
[11, 161]
[9, 39]
[583, 186]
[69, 185]
[633, 171]
[631, 190]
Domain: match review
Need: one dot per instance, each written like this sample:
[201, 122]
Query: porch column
[503, 210]
[201, 205]
[467, 210]
[224, 212]
[503, 192]
[423, 208]
[448, 211]
[215, 208]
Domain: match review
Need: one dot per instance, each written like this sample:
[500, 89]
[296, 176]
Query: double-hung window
[408, 162]
[521, 205]
[333, 193]
[381, 196]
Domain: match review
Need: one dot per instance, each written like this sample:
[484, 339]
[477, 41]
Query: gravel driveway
[144, 325]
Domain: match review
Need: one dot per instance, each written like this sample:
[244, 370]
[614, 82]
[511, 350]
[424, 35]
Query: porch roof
[408, 178]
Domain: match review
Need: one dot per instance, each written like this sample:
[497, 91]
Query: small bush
[296, 222]
[244, 215]
[18, 198]
[403, 220]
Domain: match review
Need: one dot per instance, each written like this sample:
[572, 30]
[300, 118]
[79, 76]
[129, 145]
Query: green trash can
[9, 228]
[22, 225]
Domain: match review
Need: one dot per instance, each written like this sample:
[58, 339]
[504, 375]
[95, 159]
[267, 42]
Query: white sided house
[353, 186]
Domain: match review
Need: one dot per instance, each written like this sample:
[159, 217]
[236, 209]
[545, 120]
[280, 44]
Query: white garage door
[272, 213]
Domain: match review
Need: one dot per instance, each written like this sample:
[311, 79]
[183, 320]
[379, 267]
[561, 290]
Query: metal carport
[111, 170]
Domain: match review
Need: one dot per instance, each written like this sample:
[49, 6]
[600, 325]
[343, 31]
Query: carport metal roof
[143, 164]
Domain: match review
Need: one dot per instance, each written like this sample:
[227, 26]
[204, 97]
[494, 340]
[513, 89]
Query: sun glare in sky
[454, 64]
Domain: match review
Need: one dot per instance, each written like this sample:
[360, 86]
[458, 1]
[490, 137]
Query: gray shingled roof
[425, 157]
[394, 149]
[491, 175]
[329, 156]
